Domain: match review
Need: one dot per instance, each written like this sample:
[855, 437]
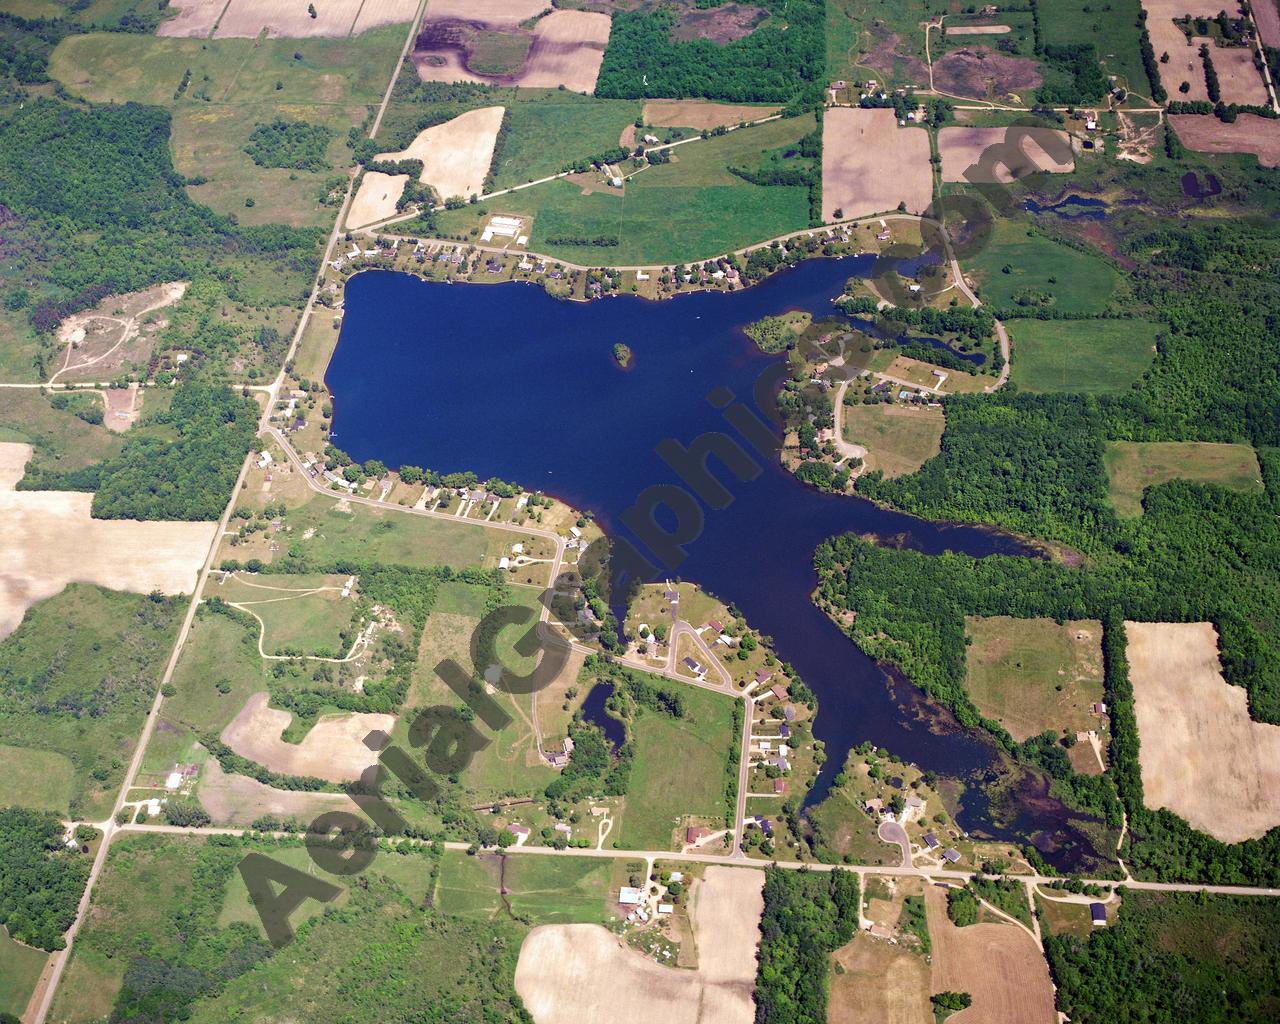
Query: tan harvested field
[999, 965]
[1021, 151]
[455, 155]
[1238, 79]
[1267, 14]
[1249, 133]
[195, 19]
[567, 49]
[1236, 74]
[334, 749]
[49, 540]
[977, 30]
[582, 974]
[240, 800]
[700, 114]
[289, 19]
[882, 983]
[1202, 756]
[376, 198]
[870, 165]
[376, 13]
[495, 13]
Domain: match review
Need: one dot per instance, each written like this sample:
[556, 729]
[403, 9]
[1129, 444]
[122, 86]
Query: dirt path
[67, 331]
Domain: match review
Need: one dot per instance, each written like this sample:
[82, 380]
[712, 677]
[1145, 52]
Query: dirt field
[376, 198]
[881, 984]
[245, 19]
[49, 540]
[1029, 149]
[1237, 77]
[1248, 134]
[982, 73]
[239, 800]
[870, 165]
[195, 19]
[581, 973]
[1000, 965]
[1201, 754]
[567, 49]
[455, 155]
[1267, 14]
[104, 339]
[494, 13]
[124, 406]
[1236, 74]
[700, 114]
[977, 30]
[719, 24]
[334, 748]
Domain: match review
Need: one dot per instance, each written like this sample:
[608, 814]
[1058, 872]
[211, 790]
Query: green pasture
[1133, 466]
[545, 889]
[1095, 356]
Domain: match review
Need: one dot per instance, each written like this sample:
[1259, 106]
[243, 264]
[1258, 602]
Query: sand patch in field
[977, 30]
[239, 800]
[1021, 151]
[124, 406]
[1249, 133]
[195, 19]
[376, 198]
[581, 973]
[455, 155]
[49, 540]
[870, 165]
[1201, 754]
[999, 965]
[334, 749]
[103, 339]
[700, 114]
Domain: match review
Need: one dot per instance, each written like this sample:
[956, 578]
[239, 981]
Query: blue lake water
[593, 711]
[506, 381]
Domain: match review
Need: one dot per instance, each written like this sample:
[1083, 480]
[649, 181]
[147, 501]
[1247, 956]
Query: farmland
[899, 440]
[545, 890]
[870, 165]
[1095, 356]
[1133, 466]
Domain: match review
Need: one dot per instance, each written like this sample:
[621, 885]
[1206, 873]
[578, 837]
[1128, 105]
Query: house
[839, 84]
[779, 786]
[712, 624]
[560, 826]
[641, 275]
[694, 667]
[504, 563]
[931, 841]
[1098, 914]
[517, 549]
[874, 807]
[677, 876]
[629, 896]
[173, 781]
[557, 759]
[914, 803]
[1099, 708]
[789, 713]
[779, 762]
[264, 460]
[651, 139]
[671, 595]
[777, 689]
[695, 834]
[951, 855]
[784, 731]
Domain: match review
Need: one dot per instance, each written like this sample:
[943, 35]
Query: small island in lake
[622, 353]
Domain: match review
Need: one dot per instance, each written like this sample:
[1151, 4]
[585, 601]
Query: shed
[1098, 914]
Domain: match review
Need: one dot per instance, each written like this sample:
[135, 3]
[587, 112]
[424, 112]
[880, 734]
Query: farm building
[1098, 914]
[629, 896]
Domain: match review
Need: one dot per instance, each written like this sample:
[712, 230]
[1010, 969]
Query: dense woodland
[41, 881]
[293, 144]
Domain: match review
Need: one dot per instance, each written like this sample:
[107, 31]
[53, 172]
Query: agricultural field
[679, 769]
[1021, 268]
[1202, 756]
[1249, 133]
[455, 155]
[376, 198]
[545, 890]
[702, 114]
[899, 439]
[1092, 356]
[233, 86]
[1039, 151]
[1133, 466]
[870, 165]
[1035, 675]
[881, 976]
[689, 209]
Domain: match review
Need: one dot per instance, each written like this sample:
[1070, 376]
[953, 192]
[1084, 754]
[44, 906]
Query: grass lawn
[1059, 918]
[234, 85]
[1133, 466]
[1095, 356]
[1041, 272]
[40, 779]
[1033, 675]
[1111, 27]
[898, 439]
[689, 209]
[305, 613]
[545, 889]
[679, 769]
[20, 968]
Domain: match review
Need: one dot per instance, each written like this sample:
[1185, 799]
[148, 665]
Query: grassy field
[1095, 356]
[43, 779]
[60, 440]
[679, 769]
[20, 968]
[236, 84]
[856, 27]
[691, 208]
[899, 440]
[304, 613]
[1033, 675]
[1111, 27]
[90, 649]
[548, 129]
[1040, 272]
[1133, 466]
[546, 890]
[219, 654]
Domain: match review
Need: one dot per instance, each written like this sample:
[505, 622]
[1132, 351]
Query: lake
[505, 381]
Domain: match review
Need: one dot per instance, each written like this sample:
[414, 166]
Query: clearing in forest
[1133, 466]
[701, 114]
[50, 540]
[1201, 754]
[1022, 151]
[100, 342]
[999, 965]
[870, 165]
[1034, 676]
[455, 155]
[581, 973]
[899, 439]
[1093, 356]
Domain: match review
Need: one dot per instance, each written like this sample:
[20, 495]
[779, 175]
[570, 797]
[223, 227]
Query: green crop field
[1133, 466]
[1095, 356]
[679, 769]
[1021, 267]
[689, 209]
[305, 613]
[20, 968]
[546, 890]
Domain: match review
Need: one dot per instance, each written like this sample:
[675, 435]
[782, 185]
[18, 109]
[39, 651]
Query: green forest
[41, 881]
[293, 144]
